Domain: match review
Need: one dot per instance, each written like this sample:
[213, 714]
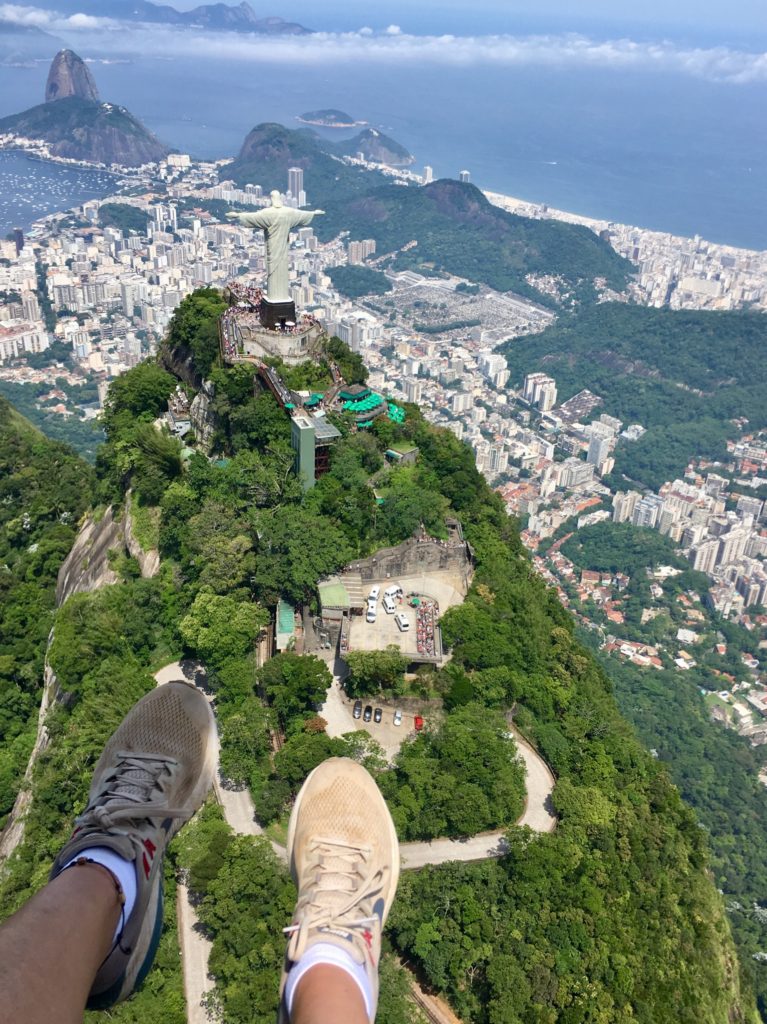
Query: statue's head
[276, 198]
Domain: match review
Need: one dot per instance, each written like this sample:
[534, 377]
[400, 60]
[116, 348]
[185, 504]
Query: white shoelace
[340, 898]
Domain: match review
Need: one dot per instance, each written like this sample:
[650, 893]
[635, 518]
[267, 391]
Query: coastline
[512, 204]
[541, 211]
[77, 165]
[334, 124]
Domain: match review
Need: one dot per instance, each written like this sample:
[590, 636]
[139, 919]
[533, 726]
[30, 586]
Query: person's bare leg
[51, 949]
[344, 857]
[328, 995]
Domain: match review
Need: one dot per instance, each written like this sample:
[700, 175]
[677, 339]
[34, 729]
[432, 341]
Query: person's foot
[344, 857]
[154, 773]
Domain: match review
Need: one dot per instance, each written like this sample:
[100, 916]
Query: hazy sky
[734, 18]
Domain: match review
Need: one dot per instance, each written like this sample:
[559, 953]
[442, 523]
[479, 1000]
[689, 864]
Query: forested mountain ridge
[685, 375]
[44, 490]
[455, 226]
[613, 917]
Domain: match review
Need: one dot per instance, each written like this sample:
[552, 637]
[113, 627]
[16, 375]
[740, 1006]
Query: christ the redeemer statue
[276, 221]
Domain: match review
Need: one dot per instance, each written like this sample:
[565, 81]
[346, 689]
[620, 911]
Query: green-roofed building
[285, 627]
[334, 601]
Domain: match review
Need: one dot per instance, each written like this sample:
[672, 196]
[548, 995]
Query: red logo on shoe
[151, 849]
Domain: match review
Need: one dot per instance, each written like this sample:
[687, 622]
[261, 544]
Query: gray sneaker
[154, 773]
[344, 857]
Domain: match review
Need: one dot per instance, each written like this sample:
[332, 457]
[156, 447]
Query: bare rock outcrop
[69, 76]
[202, 417]
[87, 567]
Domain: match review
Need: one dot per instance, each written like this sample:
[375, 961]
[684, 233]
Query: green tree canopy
[193, 330]
[294, 683]
[371, 672]
[218, 627]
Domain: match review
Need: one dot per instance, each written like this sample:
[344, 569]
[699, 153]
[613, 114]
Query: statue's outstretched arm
[249, 220]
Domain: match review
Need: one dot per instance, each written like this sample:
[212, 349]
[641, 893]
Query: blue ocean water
[30, 189]
[661, 150]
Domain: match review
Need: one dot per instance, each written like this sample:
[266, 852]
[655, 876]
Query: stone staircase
[356, 589]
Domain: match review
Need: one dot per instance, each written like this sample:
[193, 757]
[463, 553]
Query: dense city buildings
[104, 281]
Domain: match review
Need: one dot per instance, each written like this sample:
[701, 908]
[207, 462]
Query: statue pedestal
[275, 314]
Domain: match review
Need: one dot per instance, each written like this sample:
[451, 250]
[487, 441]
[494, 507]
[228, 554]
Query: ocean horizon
[665, 151]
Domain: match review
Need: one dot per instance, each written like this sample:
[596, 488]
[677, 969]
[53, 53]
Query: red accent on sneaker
[150, 848]
[147, 868]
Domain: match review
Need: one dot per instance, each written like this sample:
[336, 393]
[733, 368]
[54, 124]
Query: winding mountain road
[240, 815]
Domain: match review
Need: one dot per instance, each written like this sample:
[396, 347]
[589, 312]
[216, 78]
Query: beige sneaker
[153, 774]
[344, 857]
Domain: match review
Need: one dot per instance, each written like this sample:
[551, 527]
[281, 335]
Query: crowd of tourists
[427, 613]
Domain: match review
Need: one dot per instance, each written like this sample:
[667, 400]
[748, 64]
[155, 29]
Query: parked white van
[374, 592]
[393, 591]
[402, 621]
[389, 605]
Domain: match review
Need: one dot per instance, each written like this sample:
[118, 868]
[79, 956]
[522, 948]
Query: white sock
[123, 870]
[332, 955]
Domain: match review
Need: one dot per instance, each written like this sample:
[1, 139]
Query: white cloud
[39, 17]
[394, 46]
[716, 64]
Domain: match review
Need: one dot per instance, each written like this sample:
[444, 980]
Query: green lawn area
[712, 699]
[146, 525]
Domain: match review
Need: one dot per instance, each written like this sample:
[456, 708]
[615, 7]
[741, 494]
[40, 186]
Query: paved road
[240, 815]
[195, 950]
[539, 812]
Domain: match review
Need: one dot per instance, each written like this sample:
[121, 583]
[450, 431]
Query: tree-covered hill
[374, 146]
[82, 129]
[612, 917]
[457, 229]
[44, 490]
[269, 150]
[682, 374]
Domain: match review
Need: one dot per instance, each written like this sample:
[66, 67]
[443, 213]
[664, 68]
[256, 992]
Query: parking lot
[376, 636]
[337, 712]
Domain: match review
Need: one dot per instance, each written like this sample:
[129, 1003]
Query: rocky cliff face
[68, 76]
[202, 418]
[87, 567]
[377, 148]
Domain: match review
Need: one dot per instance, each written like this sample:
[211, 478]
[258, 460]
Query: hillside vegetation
[84, 129]
[613, 917]
[44, 490]
[684, 375]
[456, 228]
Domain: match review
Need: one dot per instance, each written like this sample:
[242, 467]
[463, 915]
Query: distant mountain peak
[68, 76]
[77, 125]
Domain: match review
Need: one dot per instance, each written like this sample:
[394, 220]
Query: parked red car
[418, 723]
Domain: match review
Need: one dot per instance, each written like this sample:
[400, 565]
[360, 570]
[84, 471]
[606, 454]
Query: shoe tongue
[135, 784]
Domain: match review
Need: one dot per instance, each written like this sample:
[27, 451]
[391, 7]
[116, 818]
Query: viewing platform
[244, 338]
